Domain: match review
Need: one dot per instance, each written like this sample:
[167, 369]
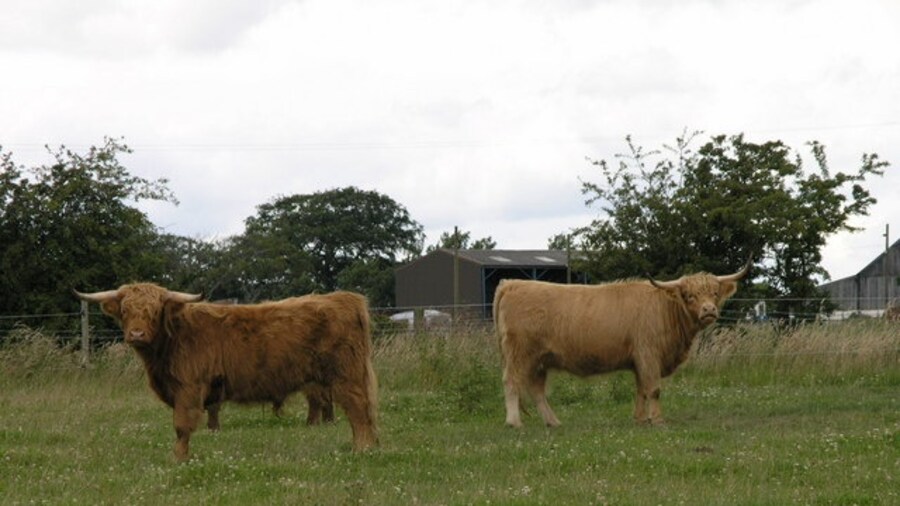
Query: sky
[480, 115]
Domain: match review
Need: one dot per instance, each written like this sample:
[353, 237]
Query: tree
[255, 267]
[187, 264]
[71, 225]
[562, 241]
[711, 209]
[319, 236]
[372, 277]
[462, 240]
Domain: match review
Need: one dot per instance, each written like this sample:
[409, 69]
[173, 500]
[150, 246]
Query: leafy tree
[561, 242]
[712, 209]
[373, 277]
[255, 267]
[486, 243]
[186, 264]
[321, 235]
[459, 239]
[71, 224]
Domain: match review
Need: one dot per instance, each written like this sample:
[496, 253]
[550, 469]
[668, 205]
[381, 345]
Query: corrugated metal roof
[503, 257]
[514, 258]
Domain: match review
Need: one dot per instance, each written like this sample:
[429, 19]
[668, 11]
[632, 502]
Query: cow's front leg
[538, 389]
[188, 412]
[646, 404]
[647, 409]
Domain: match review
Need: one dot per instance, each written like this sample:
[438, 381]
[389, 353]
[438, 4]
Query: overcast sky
[476, 114]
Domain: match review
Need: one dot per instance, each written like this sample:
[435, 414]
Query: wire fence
[68, 327]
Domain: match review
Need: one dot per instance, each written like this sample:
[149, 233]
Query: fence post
[418, 321]
[85, 334]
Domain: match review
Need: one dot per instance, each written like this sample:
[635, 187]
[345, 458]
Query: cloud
[471, 114]
[115, 29]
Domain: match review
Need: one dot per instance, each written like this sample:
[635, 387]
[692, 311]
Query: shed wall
[860, 293]
[426, 282]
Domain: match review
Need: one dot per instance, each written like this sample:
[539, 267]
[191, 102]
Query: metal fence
[88, 328]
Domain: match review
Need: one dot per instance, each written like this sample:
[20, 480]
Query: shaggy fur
[586, 330]
[198, 355]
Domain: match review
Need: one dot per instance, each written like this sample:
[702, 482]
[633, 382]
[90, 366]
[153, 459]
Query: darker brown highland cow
[198, 355]
[645, 326]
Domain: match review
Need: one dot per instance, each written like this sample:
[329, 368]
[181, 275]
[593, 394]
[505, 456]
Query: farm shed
[872, 287]
[429, 280]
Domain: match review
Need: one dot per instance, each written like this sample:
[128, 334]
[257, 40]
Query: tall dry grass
[466, 356]
[833, 349]
[35, 358]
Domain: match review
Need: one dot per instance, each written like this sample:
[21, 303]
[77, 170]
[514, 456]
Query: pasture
[757, 415]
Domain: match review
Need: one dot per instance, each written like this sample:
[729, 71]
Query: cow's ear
[172, 308]
[112, 308]
[727, 289]
[170, 314]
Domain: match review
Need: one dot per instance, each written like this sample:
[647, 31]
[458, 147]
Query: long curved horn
[739, 274]
[183, 297]
[97, 296]
[665, 285]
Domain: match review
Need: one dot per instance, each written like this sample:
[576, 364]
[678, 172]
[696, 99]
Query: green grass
[810, 416]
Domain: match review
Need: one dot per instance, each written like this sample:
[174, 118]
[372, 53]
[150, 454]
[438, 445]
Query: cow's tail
[371, 378]
[499, 324]
[500, 329]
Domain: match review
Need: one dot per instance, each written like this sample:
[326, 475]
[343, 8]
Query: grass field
[757, 416]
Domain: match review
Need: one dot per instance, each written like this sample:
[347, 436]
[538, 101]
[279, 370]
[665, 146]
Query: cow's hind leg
[511, 391]
[538, 389]
[354, 400]
[314, 410]
[320, 405]
[327, 405]
[212, 416]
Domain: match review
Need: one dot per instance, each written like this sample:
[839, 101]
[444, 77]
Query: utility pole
[456, 244]
[886, 264]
